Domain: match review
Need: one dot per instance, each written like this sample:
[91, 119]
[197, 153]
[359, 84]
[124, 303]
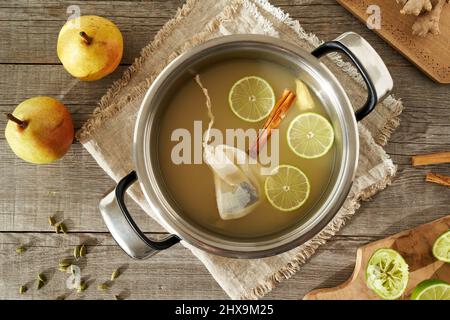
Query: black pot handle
[122, 226]
[369, 64]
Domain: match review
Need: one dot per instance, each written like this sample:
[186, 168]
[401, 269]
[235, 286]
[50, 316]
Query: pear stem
[23, 124]
[86, 38]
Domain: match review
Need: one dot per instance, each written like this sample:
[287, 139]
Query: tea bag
[235, 180]
[237, 188]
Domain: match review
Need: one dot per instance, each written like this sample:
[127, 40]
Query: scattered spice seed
[57, 229]
[117, 297]
[103, 287]
[82, 287]
[23, 289]
[21, 249]
[76, 252]
[83, 251]
[40, 284]
[51, 221]
[41, 277]
[62, 228]
[65, 263]
[63, 269]
[115, 274]
[61, 297]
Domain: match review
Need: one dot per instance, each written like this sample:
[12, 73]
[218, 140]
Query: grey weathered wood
[43, 19]
[171, 274]
[72, 187]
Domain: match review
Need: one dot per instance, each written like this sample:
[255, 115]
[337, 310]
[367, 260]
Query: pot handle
[372, 68]
[122, 226]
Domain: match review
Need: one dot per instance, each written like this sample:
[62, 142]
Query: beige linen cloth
[108, 134]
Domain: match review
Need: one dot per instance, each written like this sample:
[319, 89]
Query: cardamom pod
[76, 252]
[62, 228]
[41, 277]
[51, 221]
[83, 251]
[103, 287]
[21, 249]
[40, 284]
[23, 289]
[57, 229]
[115, 274]
[63, 269]
[82, 287]
[65, 263]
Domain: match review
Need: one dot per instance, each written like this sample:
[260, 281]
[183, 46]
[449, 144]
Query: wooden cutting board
[414, 245]
[431, 53]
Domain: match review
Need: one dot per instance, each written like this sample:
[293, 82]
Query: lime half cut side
[387, 274]
[441, 247]
[287, 188]
[251, 99]
[310, 135]
[432, 289]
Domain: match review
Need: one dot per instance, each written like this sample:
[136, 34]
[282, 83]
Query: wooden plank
[70, 189]
[174, 273]
[54, 81]
[33, 30]
[36, 40]
[50, 80]
[51, 10]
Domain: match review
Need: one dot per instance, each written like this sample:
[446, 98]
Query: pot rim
[168, 217]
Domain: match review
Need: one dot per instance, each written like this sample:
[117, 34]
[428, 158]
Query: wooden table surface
[71, 188]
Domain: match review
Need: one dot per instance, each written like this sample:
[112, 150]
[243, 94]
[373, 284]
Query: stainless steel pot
[315, 74]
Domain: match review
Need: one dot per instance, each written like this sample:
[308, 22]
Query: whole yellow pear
[40, 130]
[90, 47]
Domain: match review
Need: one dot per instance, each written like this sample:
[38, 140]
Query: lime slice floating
[287, 188]
[310, 135]
[431, 290]
[251, 99]
[387, 274]
[441, 247]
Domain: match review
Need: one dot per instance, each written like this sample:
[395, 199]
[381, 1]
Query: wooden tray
[431, 54]
[415, 247]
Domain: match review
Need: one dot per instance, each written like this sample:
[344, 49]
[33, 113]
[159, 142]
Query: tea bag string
[209, 107]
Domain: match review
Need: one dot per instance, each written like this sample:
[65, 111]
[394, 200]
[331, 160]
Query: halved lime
[251, 99]
[287, 188]
[432, 289]
[387, 274]
[441, 247]
[310, 135]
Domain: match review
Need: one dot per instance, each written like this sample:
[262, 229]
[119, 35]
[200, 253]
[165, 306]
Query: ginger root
[415, 7]
[428, 14]
[429, 22]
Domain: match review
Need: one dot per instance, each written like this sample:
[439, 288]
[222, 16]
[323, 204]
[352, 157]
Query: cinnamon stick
[434, 158]
[276, 108]
[438, 179]
[273, 121]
